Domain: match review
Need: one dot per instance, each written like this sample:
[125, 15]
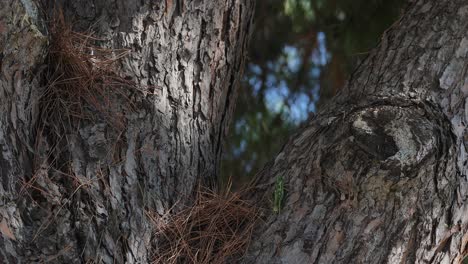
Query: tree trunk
[82, 196]
[379, 175]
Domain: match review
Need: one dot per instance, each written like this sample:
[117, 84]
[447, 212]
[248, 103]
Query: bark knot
[399, 135]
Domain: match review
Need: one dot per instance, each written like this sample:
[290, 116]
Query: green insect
[278, 195]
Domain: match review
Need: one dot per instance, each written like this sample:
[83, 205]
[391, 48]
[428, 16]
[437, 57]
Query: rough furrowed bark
[379, 175]
[81, 196]
[22, 50]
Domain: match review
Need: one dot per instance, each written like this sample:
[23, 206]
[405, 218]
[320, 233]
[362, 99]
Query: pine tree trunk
[379, 175]
[82, 196]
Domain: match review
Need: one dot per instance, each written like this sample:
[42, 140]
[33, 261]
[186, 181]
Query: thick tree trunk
[379, 176]
[91, 187]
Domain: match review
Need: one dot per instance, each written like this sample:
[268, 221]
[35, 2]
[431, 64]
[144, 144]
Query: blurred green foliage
[301, 54]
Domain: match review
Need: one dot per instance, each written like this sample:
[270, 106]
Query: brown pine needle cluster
[81, 82]
[216, 229]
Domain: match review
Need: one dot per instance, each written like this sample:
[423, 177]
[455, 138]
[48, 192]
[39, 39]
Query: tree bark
[82, 197]
[379, 175]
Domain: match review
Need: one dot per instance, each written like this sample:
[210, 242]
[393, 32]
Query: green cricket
[278, 195]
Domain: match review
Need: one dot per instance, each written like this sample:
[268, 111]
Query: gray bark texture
[82, 196]
[379, 175]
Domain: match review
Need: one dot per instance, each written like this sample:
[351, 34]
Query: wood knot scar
[393, 133]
